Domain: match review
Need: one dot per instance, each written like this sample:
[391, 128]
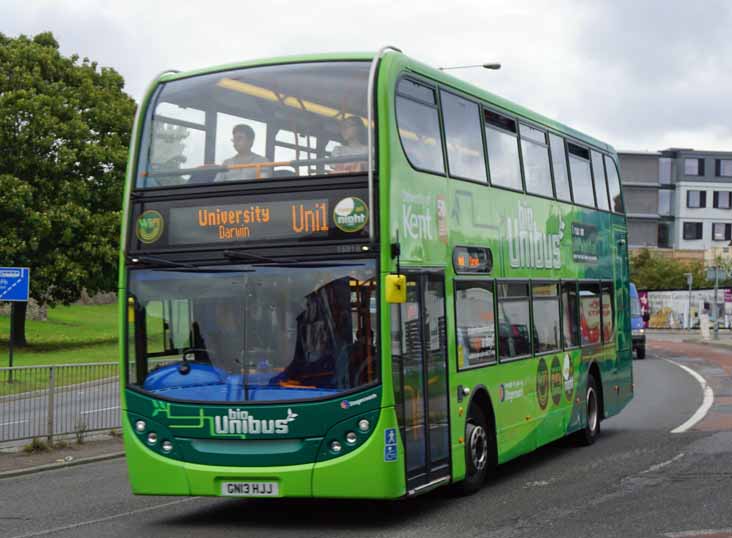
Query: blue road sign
[14, 283]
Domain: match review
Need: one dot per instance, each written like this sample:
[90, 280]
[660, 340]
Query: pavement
[14, 461]
[712, 359]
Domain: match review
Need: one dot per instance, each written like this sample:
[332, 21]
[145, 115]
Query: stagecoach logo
[237, 421]
[528, 247]
[556, 381]
[568, 376]
[347, 404]
[510, 391]
[542, 384]
[351, 214]
[149, 226]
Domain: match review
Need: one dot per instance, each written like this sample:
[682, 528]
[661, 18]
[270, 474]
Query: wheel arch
[482, 399]
[594, 369]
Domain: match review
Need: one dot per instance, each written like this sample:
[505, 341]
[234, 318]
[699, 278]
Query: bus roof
[416, 67]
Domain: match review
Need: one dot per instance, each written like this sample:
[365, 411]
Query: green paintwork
[476, 215]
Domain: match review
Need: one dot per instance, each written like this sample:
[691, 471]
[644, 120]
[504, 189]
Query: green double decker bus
[353, 275]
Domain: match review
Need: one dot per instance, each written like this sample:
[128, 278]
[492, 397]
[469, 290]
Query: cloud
[638, 75]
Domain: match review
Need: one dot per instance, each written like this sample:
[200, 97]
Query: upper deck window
[613, 186]
[304, 119]
[462, 132]
[579, 167]
[419, 126]
[598, 173]
[535, 152]
[503, 154]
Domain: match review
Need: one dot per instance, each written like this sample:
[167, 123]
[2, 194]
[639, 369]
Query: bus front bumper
[362, 473]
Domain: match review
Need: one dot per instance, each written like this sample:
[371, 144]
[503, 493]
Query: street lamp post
[492, 65]
[689, 281]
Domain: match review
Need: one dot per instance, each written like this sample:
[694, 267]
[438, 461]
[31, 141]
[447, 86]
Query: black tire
[641, 352]
[480, 450]
[589, 434]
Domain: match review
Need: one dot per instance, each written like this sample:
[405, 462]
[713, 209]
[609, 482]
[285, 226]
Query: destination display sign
[243, 222]
[249, 219]
[472, 260]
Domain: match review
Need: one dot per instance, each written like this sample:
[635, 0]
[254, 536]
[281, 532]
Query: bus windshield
[301, 119]
[254, 333]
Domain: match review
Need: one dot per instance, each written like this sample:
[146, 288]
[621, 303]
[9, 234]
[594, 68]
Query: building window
[696, 199]
[724, 167]
[664, 235]
[476, 339]
[721, 231]
[664, 171]
[693, 230]
[665, 201]
[723, 199]
[694, 167]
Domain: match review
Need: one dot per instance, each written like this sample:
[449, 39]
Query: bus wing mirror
[396, 289]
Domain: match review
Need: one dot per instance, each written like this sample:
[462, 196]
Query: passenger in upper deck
[354, 136]
[243, 139]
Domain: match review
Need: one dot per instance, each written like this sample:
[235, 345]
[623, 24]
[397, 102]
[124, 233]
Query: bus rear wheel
[479, 452]
[589, 434]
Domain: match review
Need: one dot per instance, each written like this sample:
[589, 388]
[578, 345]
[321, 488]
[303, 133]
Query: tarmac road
[637, 480]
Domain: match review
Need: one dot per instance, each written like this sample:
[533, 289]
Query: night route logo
[351, 214]
[149, 226]
[542, 384]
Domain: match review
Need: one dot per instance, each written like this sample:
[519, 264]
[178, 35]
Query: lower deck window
[476, 338]
[514, 336]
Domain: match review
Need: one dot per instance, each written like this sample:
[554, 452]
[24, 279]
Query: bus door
[420, 368]
[622, 294]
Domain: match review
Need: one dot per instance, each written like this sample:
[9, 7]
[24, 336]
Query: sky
[640, 75]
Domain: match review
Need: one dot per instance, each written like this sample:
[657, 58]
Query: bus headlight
[336, 447]
[351, 438]
[140, 426]
[364, 425]
[152, 438]
[167, 446]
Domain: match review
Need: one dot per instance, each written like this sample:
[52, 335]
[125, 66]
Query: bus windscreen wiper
[183, 267]
[163, 261]
[238, 255]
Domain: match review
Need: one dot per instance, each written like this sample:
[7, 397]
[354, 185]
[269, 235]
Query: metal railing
[58, 400]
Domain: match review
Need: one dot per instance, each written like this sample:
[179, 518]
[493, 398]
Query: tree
[655, 272]
[64, 131]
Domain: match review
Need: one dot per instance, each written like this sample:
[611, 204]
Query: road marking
[663, 464]
[13, 422]
[705, 532]
[103, 519]
[99, 410]
[706, 403]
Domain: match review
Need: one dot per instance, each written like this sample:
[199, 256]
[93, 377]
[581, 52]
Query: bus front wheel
[479, 451]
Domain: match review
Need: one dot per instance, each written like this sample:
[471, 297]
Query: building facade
[678, 198]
